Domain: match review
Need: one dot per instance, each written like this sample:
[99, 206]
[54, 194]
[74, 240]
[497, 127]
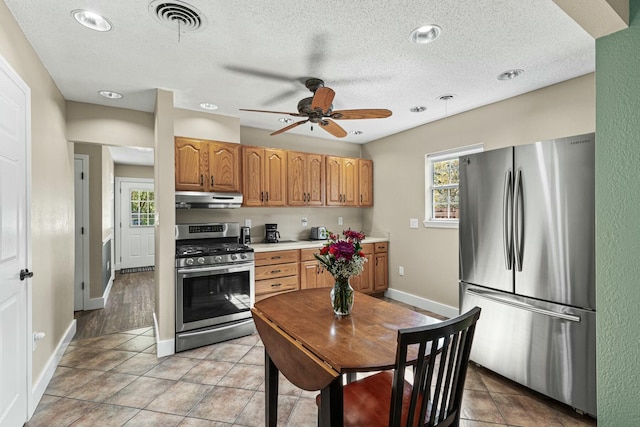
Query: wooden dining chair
[436, 358]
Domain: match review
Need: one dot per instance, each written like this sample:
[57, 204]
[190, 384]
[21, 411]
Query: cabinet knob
[201, 179]
[212, 181]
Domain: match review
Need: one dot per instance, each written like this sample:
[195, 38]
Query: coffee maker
[271, 233]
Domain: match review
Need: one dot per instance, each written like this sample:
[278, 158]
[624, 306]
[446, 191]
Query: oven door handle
[187, 272]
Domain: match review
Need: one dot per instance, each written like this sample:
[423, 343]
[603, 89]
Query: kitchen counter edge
[303, 244]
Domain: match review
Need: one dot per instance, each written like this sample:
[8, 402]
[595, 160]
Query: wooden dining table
[314, 348]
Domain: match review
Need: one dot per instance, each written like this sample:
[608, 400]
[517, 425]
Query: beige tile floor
[116, 380]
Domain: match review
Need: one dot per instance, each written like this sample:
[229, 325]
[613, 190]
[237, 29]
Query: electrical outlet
[413, 222]
[401, 270]
[305, 222]
[247, 223]
[339, 220]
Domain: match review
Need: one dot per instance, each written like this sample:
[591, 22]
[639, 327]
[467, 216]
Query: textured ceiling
[256, 54]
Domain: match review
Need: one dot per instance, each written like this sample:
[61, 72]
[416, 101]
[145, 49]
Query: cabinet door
[190, 165]
[334, 176]
[224, 167]
[315, 179]
[296, 183]
[326, 279]
[364, 282]
[380, 282]
[275, 179]
[365, 174]
[350, 192]
[253, 172]
[309, 274]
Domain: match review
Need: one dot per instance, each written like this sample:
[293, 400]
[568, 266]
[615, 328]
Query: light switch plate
[339, 220]
[247, 223]
[413, 223]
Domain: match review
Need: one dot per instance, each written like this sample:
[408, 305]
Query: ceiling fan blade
[274, 112]
[323, 98]
[370, 113]
[333, 128]
[301, 122]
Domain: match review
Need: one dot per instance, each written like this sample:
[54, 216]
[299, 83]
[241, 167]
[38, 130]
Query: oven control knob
[234, 257]
[189, 261]
[218, 258]
[243, 256]
[201, 260]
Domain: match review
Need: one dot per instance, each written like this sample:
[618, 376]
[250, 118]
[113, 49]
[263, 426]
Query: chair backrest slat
[439, 371]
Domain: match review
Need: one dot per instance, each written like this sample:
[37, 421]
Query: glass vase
[342, 297]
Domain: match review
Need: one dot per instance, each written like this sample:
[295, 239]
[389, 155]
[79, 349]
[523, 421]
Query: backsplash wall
[289, 219]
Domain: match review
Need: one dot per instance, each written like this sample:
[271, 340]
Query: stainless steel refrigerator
[527, 257]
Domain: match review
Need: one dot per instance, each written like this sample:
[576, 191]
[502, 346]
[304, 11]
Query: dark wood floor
[130, 306]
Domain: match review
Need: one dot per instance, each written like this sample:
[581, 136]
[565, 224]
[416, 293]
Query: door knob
[25, 273]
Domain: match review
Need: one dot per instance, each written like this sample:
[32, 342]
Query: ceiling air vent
[178, 15]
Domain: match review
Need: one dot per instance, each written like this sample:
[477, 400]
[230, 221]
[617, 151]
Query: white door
[137, 219]
[14, 111]
[81, 192]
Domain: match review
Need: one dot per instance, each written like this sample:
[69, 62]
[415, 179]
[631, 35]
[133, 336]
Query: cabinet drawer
[276, 285]
[367, 248]
[277, 257]
[279, 270]
[307, 254]
[381, 247]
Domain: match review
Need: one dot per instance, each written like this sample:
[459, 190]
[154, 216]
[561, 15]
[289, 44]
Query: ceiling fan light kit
[318, 109]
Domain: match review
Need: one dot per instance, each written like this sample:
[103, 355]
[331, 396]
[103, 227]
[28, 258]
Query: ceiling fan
[318, 109]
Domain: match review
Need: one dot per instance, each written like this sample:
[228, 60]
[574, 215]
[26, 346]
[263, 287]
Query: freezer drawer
[547, 347]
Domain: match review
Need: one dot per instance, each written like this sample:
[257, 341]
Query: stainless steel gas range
[215, 284]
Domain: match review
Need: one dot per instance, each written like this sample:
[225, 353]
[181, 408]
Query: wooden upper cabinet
[190, 161]
[203, 165]
[365, 174]
[342, 181]
[305, 184]
[224, 167]
[264, 176]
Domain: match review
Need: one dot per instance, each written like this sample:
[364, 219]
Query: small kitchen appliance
[245, 235]
[272, 235]
[319, 233]
[215, 284]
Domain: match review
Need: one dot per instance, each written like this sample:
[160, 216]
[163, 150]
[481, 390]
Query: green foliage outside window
[142, 208]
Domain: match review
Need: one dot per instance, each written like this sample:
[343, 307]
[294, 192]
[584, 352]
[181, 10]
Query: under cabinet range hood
[205, 200]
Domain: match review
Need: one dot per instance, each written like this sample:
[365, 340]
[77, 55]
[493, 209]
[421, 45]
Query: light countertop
[303, 244]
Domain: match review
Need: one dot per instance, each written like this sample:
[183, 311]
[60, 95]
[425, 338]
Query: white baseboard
[166, 347]
[97, 303]
[38, 389]
[423, 303]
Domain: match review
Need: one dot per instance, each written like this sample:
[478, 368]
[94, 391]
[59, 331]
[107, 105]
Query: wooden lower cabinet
[276, 273]
[364, 282]
[381, 256]
[312, 274]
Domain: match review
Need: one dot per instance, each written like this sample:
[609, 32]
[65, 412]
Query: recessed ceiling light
[208, 106]
[285, 120]
[356, 132]
[418, 109]
[425, 34]
[446, 97]
[110, 94]
[92, 20]
[510, 74]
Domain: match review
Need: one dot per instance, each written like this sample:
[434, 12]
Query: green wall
[618, 223]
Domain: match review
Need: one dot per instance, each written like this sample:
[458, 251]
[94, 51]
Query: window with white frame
[441, 184]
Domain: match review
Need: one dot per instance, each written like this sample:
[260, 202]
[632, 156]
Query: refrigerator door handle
[507, 232]
[493, 297]
[518, 220]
